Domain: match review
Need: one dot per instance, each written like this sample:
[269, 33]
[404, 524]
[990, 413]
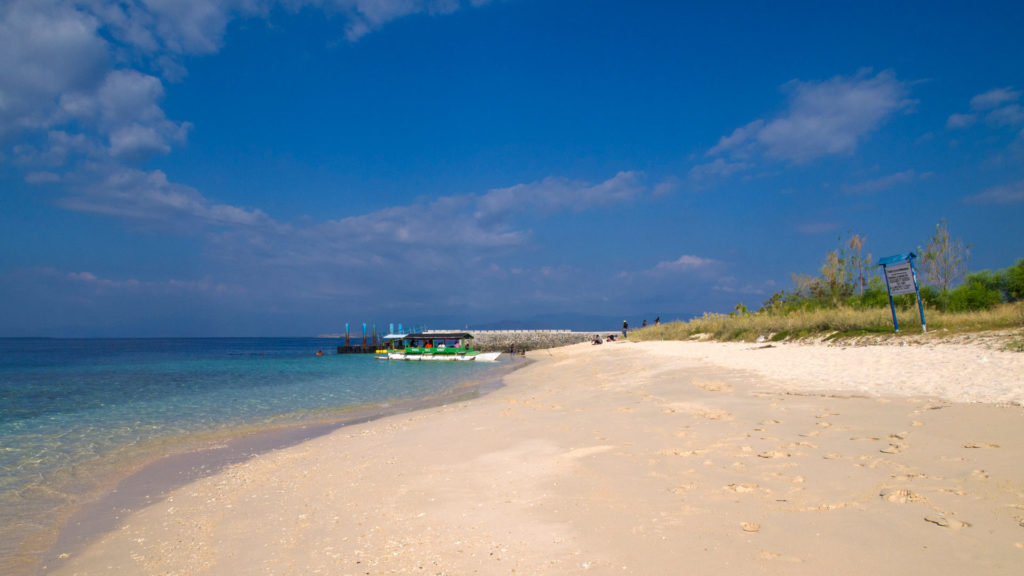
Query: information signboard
[901, 278]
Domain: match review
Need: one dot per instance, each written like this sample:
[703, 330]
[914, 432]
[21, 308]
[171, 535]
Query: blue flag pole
[892, 307]
[920, 305]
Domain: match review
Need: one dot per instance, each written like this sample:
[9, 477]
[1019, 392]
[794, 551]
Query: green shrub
[934, 298]
[1013, 282]
[980, 292]
[873, 297]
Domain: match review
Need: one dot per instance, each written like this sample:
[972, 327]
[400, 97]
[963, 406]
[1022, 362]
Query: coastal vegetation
[847, 300]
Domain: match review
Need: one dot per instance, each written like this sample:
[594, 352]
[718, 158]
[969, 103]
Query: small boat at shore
[433, 346]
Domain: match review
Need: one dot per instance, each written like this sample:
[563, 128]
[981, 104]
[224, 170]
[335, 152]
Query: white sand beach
[633, 458]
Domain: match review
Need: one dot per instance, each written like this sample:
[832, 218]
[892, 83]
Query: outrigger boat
[453, 346]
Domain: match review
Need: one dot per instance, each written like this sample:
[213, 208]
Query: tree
[944, 261]
[857, 263]
[836, 276]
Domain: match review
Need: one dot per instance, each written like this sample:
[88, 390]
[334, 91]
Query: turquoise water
[72, 410]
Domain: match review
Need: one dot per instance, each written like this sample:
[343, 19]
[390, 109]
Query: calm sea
[76, 413]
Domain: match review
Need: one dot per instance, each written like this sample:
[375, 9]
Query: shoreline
[149, 476]
[599, 457]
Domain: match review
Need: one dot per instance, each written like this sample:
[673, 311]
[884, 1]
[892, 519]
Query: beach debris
[750, 526]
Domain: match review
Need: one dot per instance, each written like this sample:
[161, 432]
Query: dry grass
[842, 323]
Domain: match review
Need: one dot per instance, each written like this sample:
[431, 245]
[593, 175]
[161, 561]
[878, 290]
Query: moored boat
[433, 346]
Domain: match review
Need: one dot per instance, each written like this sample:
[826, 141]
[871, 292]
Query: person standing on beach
[644, 325]
[657, 321]
[625, 327]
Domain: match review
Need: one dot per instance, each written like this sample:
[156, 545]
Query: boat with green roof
[433, 346]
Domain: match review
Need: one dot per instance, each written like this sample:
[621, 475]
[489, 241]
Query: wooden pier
[357, 349]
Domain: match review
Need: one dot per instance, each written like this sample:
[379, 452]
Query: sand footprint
[742, 488]
[895, 444]
[900, 496]
[750, 526]
[974, 445]
[683, 489]
[714, 386]
[773, 454]
[941, 519]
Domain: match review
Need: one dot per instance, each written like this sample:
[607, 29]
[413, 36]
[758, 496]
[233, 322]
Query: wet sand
[625, 458]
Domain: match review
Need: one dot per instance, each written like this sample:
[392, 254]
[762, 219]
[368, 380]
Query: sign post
[901, 278]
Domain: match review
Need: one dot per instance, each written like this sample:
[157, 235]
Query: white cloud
[994, 98]
[47, 48]
[135, 285]
[59, 146]
[956, 121]
[814, 228]
[998, 106]
[823, 118]
[57, 61]
[1012, 193]
[685, 263]
[716, 168]
[42, 178]
[365, 16]
[832, 117]
[883, 183]
[555, 194]
[739, 136]
[138, 195]
[431, 241]
[666, 186]
[1009, 115]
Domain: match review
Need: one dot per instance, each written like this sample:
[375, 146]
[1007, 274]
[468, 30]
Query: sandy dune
[652, 458]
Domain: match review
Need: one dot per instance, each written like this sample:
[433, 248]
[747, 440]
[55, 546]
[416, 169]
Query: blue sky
[252, 167]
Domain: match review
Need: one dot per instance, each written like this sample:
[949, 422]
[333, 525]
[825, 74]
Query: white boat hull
[482, 357]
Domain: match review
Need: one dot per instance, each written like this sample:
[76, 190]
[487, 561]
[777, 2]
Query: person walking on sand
[625, 327]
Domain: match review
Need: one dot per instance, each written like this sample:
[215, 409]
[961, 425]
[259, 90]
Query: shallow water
[77, 414]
